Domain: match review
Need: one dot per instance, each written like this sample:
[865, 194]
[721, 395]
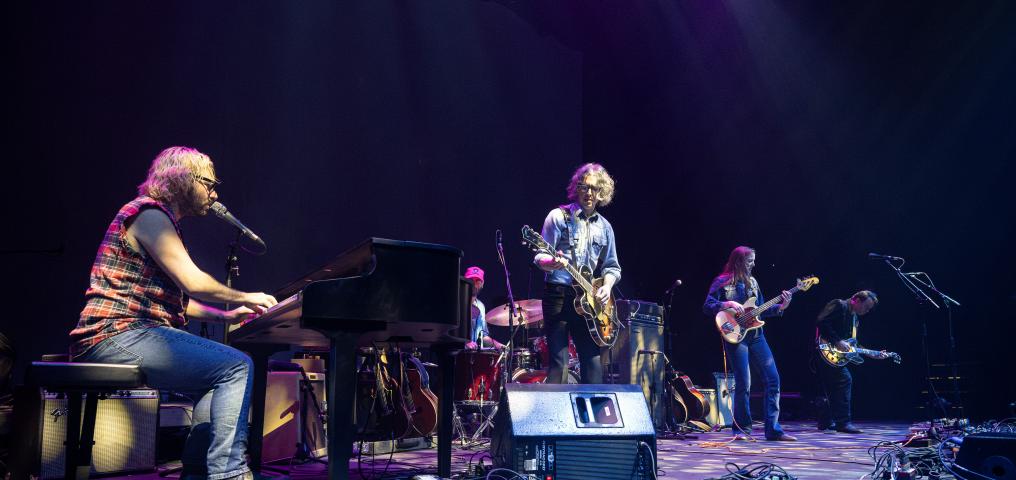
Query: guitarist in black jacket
[836, 324]
[582, 237]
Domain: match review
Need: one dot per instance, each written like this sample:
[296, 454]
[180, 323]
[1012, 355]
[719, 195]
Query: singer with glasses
[582, 236]
[144, 288]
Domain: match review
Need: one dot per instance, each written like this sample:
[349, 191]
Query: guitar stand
[303, 450]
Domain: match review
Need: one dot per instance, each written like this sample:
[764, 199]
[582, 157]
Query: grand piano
[379, 292]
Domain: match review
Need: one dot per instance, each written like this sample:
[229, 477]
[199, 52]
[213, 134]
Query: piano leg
[444, 407]
[341, 376]
[259, 353]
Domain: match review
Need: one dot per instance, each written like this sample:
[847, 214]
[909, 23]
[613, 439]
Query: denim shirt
[720, 292]
[479, 324]
[599, 252]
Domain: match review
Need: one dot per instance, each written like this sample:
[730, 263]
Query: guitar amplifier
[721, 401]
[637, 359]
[284, 424]
[574, 432]
[126, 427]
[637, 310]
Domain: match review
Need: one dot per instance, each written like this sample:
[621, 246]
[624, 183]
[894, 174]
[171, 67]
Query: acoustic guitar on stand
[733, 326]
[601, 319]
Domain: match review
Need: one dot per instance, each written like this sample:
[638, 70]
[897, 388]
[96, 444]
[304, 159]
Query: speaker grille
[126, 425]
[606, 459]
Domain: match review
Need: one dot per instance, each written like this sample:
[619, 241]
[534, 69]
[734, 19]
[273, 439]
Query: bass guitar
[601, 319]
[837, 358]
[733, 326]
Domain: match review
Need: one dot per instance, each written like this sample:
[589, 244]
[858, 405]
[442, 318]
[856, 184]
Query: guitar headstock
[895, 357]
[535, 241]
[803, 284]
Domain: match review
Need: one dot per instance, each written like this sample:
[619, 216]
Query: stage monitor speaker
[574, 432]
[283, 418]
[637, 354]
[126, 427]
[990, 454]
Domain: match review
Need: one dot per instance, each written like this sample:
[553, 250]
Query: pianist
[142, 291]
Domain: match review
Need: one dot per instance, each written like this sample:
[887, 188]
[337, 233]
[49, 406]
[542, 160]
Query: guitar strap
[568, 228]
[571, 225]
[424, 375]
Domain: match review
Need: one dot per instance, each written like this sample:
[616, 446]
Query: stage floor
[817, 455]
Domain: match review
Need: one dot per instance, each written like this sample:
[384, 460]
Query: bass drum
[525, 375]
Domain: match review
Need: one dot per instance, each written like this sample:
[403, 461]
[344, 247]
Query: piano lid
[356, 261]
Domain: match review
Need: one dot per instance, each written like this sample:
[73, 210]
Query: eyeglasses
[582, 187]
[208, 182]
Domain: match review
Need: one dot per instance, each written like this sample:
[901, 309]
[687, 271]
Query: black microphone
[650, 352]
[220, 211]
[879, 256]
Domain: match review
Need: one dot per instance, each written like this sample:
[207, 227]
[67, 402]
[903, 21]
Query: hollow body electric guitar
[601, 319]
[856, 354]
[733, 326]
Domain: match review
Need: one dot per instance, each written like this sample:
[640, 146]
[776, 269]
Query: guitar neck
[772, 301]
[574, 272]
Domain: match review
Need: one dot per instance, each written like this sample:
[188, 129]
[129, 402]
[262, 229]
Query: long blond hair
[171, 176]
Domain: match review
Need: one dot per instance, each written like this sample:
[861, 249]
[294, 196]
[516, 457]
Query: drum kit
[480, 374]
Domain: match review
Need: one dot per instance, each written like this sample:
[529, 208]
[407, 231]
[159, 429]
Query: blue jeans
[755, 349]
[217, 376]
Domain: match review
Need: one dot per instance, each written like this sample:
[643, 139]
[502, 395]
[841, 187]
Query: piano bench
[77, 380]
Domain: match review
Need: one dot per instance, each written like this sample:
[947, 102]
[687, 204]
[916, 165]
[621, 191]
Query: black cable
[756, 471]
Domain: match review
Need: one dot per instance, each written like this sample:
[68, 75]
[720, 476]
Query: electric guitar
[733, 326]
[856, 354]
[601, 319]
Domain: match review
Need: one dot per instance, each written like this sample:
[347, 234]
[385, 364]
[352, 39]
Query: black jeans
[560, 319]
[836, 382]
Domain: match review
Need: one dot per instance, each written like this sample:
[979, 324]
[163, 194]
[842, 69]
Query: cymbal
[531, 312]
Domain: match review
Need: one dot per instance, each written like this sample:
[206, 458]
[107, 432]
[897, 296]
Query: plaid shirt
[127, 289]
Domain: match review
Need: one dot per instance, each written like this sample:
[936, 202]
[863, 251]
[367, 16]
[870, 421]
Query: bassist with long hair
[730, 291]
[582, 238]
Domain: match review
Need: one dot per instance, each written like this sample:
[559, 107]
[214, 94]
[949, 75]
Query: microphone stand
[510, 346]
[232, 271]
[935, 402]
[946, 300]
[668, 306]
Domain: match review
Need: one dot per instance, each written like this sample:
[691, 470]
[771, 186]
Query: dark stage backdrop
[816, 133]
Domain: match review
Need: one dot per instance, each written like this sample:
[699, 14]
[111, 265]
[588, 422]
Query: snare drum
[523, 375]
[476, 376]
[540, 345]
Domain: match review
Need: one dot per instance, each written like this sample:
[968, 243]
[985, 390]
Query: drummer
[480, 337]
